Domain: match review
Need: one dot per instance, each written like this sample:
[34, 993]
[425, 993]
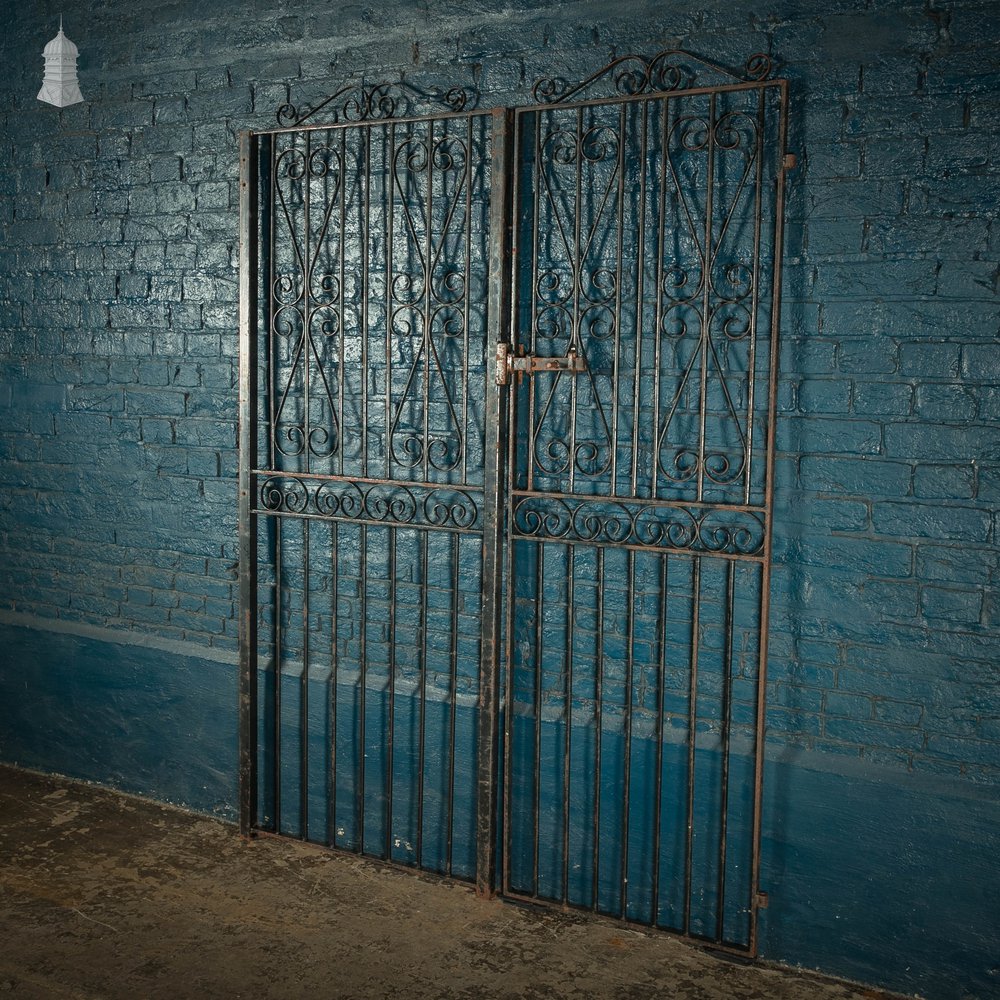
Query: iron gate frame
[364, 109]
[518, 368]
[373, 104]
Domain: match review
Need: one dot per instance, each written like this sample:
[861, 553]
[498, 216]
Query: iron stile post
[757, 899]
[247, 521]
[488, 728]
[510, 420]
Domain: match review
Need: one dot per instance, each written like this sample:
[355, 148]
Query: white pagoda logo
[60, 86]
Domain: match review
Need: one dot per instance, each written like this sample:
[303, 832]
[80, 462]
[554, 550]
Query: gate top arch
[668, 71]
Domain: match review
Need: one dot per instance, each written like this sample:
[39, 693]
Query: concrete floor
[104, 896]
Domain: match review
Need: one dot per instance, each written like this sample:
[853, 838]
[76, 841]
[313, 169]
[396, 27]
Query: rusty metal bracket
[507, 363]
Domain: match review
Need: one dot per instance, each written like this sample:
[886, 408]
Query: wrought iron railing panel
[507, 410]
[367, 483]
[647, 206]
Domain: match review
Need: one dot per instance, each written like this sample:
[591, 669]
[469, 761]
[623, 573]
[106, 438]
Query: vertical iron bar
[304, 693]
[537, 710]
[466, 294]
[390, 194]
[249, 346]
[598, 731]
[359, 788]
[706, 278]
[507, 281]
[533, 296]
[278, 660]
[765, 598]
[428, 292]
[365, 234]
[391, 724]
[755, 301]
[692, 733]
[342, 326]
[639, 293]
[422, 724]
[334, 673]
[495, 411]
[619, 269]
[268, 146]
[453, 692]
[576, 334]
[629, 667]
[306, 301]
[661, 639]
[661, 251]
[568, 698]
[727, 687]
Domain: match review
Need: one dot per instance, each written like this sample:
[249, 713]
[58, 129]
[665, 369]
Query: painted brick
[948, 482]
[989, 483]
[930, 360]
[882, 398]
[854, 279]
[856, 437]
[955, 564]
[876, 734]
[941, 443]
[899, 713]
[857, 554]
[824, 396]
[946, 403]
[932, 521]
[963, 606]
[981, 363]
[900, 156]
[143, 401]
[954, 748]
[876, 354]
[895, 600]
[851, 706]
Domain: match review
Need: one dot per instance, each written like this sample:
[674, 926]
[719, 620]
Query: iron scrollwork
[305, 305]
[709, 296]
[407, 504]
[428, 300]
[377, 102]
[633, 75]
[717, 530]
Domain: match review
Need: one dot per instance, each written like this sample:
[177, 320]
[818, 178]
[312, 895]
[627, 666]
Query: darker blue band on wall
[872, 874]
[881, 876]
[139, 718]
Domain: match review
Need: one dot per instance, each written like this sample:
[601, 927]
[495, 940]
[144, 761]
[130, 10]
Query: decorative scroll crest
[378, 102]
[632, 75]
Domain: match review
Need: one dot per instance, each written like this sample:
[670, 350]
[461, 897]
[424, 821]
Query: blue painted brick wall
[118, 349]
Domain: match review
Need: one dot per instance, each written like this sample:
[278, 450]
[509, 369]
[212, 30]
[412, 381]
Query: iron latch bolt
[508, 363]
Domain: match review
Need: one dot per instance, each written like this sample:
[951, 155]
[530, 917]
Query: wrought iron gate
[507, 415]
